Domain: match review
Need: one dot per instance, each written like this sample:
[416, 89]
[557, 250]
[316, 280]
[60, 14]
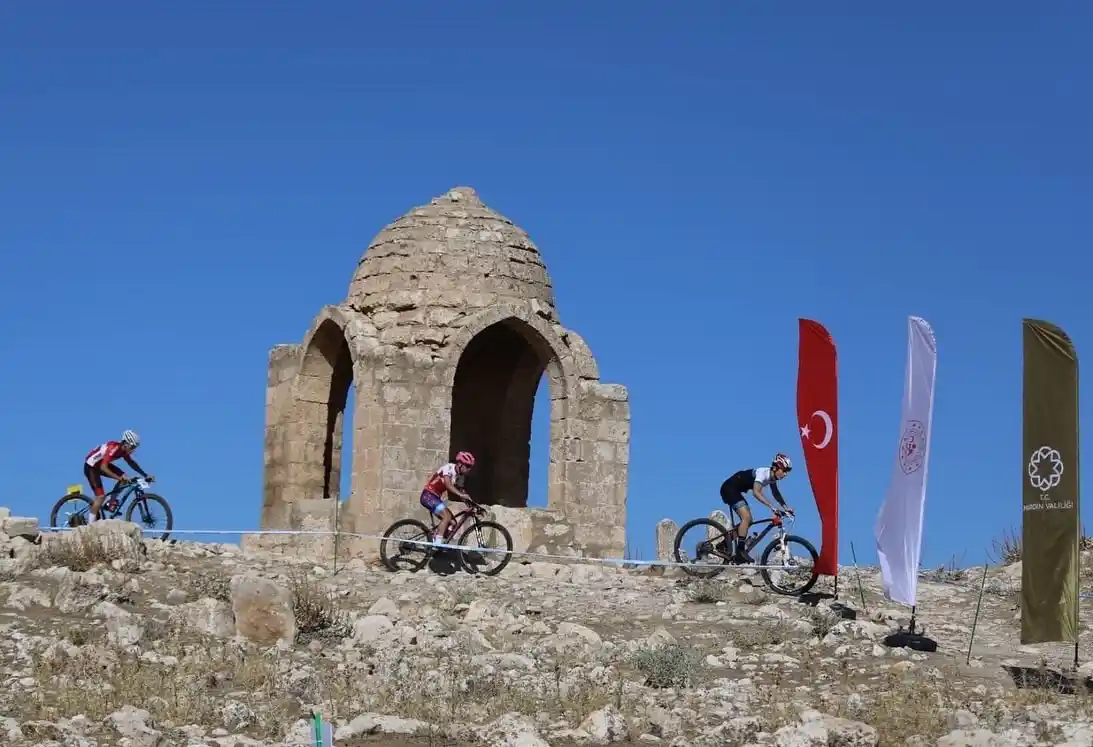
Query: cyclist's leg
[743, 510]
[94, 480]
[434, 505]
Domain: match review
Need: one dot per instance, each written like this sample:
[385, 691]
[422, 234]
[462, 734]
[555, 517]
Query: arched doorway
[327, 374]
[493, 400]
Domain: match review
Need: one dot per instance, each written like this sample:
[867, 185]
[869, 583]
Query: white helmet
[130, 438]
[781, 460]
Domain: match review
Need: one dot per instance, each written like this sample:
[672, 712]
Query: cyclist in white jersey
[734, 490]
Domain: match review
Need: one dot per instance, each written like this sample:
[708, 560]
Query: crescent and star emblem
[806, 429]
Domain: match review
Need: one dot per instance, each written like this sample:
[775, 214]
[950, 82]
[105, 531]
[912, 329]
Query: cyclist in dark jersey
[734, 490]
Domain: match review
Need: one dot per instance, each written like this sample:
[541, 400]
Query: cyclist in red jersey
[448, 479]
[97, 464]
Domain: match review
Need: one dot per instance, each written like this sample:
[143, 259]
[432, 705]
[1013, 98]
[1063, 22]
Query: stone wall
[447, 329]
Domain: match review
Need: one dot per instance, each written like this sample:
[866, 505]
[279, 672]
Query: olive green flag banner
[1049, 475]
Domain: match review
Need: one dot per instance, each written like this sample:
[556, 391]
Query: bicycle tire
[427, 553]
[73, 497]
[153, 498]
[709, 571]
[765, 572]
[465, 561]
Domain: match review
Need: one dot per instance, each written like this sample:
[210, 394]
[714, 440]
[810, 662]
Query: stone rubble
[108, 639]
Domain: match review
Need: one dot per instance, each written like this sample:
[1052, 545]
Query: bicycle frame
[774, 523]
[122, 492]
[458, 519]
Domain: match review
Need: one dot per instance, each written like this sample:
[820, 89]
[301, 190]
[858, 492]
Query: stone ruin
[448, 327]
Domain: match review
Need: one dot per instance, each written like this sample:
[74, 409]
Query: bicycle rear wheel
[401, 548]
[152, 506]
[798, 559]
[71, 511]
[712, 546]
[482, 543]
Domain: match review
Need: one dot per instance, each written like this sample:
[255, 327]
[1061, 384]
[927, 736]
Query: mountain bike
[472, 557]
[73, 509]
[714, 551]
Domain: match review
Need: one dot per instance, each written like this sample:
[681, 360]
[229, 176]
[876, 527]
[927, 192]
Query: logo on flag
[912, 444]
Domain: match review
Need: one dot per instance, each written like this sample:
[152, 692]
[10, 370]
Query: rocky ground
[112, 640]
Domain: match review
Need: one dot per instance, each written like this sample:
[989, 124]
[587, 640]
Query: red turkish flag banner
[818, 423]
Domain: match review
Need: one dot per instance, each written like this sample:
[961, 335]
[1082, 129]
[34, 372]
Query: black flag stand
[910, 638]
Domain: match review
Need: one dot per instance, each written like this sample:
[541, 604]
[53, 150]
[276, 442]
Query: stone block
[666, 537]
[20, 526]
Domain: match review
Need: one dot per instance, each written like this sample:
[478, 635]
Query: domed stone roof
[445, 259]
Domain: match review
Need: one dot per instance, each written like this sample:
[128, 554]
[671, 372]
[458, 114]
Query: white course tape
[514, 553]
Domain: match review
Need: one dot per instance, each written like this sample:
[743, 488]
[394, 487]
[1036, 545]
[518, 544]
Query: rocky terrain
[112, 640]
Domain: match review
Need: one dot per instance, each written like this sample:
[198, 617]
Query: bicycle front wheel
[405, 546]
[713, 550]
[483, 543]
[70, 512]
[797, 560]
[151, 511]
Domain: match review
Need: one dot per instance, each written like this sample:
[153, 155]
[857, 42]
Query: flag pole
[975, 620]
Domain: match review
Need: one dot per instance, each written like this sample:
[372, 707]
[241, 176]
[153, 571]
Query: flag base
[916, 641]
[913, 641]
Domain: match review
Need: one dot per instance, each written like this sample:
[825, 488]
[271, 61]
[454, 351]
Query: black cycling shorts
[733, 494]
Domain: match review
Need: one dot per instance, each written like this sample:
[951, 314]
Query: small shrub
[1008, 547]
[823, 621]
[759, 634]
[672, 665]
[212, 584]
[318, 614]
[706, 592]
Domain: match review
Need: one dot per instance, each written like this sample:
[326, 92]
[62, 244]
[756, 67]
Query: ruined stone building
[447, 328]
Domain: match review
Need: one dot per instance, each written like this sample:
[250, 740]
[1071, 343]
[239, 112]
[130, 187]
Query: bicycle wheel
[713, 548]
[402, 552]
[799, 572]
[76, 513]
[150, 505]
[487, 538]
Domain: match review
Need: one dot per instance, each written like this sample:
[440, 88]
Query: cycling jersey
[435, 485]
[745, 480]
[103, 455]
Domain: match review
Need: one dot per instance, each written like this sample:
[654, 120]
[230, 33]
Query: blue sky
[185, 185]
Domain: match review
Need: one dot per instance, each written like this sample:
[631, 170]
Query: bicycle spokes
[478, 548]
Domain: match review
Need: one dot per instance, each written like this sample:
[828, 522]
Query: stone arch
[321, 393]
[495, 367]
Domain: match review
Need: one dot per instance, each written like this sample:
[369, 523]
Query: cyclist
[446, 480]
[733, 492]
[98, 463]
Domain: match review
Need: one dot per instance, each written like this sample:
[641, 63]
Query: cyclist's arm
[757, 488]
[110, 470]
[135, 466]
[453, 491]
[777, 495]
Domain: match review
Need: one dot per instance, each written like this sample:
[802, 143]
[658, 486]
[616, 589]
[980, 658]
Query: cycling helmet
[465, 457]
[781, 460]
[130, 438]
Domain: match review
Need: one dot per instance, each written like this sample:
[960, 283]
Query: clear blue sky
[184, 185]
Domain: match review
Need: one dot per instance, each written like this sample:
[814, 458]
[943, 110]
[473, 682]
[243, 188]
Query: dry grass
[670, 665]
[318, 614]
[208, 583]
[759, 634]
[79, 551]
[705, 591]
[1007, 548]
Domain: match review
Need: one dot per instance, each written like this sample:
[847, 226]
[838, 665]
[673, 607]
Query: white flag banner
[899, 523]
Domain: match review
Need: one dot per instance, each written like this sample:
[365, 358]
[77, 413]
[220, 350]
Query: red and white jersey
[104, 454]
[435, 485]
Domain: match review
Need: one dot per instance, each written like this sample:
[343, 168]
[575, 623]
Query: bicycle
[419, 541]
[113, 504]
[718, 543]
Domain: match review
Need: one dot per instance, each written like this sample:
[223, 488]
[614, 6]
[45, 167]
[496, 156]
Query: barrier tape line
[514, 553]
